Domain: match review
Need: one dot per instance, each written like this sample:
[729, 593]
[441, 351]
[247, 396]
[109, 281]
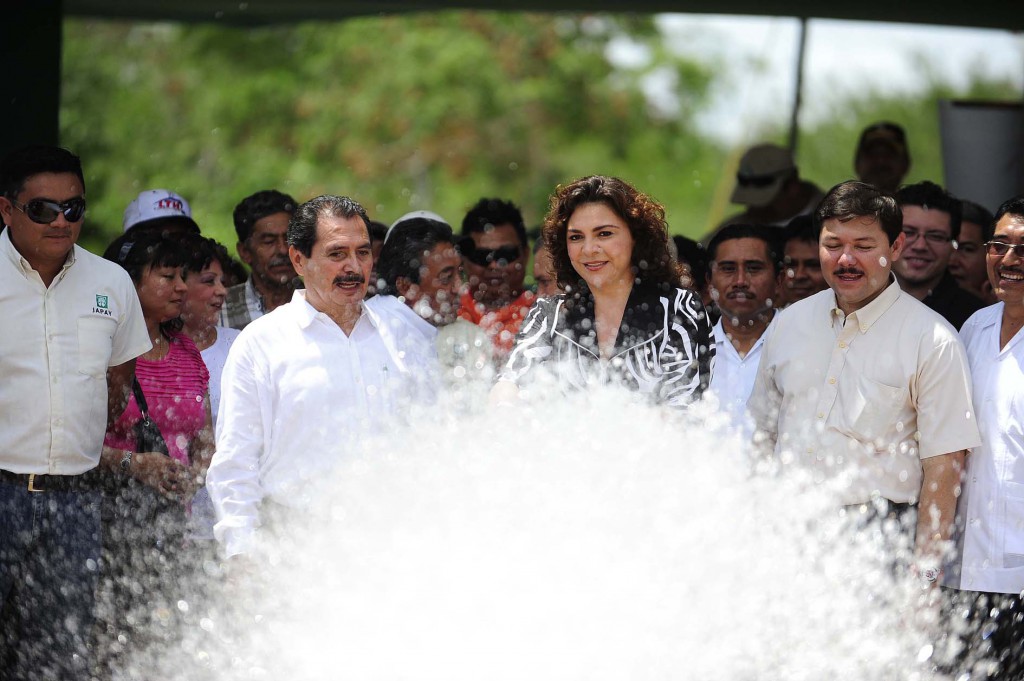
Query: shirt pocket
[874, 411]
[1013, 527]
[95, 343]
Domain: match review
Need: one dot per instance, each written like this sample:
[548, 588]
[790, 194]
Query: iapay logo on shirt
[102, 305]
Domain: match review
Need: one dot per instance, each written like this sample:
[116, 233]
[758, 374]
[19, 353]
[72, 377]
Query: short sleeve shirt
[860, 399]
[54, 357]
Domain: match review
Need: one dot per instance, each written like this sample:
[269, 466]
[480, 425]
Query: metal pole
[794, 123]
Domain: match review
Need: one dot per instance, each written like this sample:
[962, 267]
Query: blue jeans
[49, 567]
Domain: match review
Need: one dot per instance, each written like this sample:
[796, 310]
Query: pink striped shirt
[174, 388]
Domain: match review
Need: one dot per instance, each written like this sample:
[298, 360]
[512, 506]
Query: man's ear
[244, 253]
[298, 260]
[6, 208]
[897, 247]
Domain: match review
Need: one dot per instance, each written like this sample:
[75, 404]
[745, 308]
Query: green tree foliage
[431, 110]
[423, 111]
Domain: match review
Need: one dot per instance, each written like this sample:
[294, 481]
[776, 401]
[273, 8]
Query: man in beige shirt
[865, 386]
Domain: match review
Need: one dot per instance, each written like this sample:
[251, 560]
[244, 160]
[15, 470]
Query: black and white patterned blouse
[664, 348]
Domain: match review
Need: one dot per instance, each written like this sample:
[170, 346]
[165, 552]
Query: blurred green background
[429, 110]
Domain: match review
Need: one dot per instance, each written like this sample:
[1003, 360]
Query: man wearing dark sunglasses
[65, 372]
[931, 225]
[494, 252]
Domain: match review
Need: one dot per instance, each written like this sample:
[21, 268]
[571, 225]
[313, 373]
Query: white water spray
[588, 537]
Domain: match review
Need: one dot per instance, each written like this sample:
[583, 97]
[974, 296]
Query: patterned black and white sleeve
[533, 342]
[688, 353]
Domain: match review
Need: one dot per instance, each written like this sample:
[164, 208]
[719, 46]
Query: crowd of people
[165, 407]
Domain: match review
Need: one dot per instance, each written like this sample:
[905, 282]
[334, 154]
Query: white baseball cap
[157, 204]
[416, 214]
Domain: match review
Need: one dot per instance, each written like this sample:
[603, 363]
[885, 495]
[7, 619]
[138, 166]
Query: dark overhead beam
[983, 14]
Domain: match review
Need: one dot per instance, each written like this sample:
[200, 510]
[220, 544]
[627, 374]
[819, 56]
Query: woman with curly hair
[628, 315]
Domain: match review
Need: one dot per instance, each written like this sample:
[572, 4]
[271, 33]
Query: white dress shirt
[297, 394]
[993, 533]
[54, 353]
[733, 378]
[860, 399]
[464, 350]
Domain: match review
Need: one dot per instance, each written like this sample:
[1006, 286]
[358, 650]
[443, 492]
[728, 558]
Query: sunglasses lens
[43, 212]
[506, 253]
[484, 257]
[74, 210]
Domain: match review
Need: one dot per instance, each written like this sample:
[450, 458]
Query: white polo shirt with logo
[55, 348]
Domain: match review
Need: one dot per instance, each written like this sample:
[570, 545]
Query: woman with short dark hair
[146, 555]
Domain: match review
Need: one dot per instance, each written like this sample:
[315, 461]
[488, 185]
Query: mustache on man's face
[349, 279]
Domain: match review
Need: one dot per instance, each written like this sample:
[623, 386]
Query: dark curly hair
[652, 260]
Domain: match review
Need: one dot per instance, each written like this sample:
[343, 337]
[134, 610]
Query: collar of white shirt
[393, 329]
[306, 314]
[870, 313]
[19, 261]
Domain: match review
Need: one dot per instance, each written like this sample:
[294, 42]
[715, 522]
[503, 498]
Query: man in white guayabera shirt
[306, 384]
[990, 571]
[867, 388]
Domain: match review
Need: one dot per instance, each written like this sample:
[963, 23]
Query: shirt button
[842, 344]
[821, 415]
[832, 381]
[810, 450]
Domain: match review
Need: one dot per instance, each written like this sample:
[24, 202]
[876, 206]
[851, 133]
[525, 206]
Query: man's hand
[163, 474]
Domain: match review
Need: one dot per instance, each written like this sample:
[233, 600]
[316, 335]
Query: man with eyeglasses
[67, 359]
[967, 264]
[931, 223]
[494, 253]
[744, 280]
[990, 569]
